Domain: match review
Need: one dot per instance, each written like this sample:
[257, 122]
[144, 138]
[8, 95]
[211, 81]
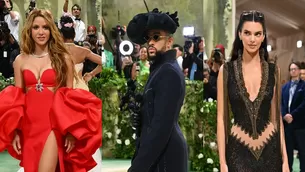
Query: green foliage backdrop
[197, 121]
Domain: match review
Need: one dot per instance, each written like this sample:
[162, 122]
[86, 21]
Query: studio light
[188, 31]
[269, 48]
[299, 44]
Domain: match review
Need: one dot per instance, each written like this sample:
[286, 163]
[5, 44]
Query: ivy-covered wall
[211, 18]
[91, 9]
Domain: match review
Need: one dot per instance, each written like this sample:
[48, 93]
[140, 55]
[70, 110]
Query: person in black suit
[293, 112]
[161, 146]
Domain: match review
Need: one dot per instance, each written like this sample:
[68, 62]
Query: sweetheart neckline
[41, 75]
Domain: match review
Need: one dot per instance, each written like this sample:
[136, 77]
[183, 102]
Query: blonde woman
[45, 123]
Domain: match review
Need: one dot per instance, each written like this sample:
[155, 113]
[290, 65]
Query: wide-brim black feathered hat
[141, 23]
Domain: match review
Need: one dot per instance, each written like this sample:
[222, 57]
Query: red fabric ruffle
[12, 104]
[78, 112]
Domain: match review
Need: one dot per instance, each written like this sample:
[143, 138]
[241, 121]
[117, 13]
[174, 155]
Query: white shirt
[180, 60]
[13, 24]
[80, 30]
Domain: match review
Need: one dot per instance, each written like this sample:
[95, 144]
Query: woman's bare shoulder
[21, 58]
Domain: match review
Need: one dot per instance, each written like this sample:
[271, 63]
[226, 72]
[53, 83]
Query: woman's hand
[69, 142]
[285, 167]
[224, 168]
[87, 77]
[16, 144]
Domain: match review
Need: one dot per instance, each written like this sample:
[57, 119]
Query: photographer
[9, 50]
[80, 27]
[193, 58]
[216, 60]
[10, 17]
[210, 77]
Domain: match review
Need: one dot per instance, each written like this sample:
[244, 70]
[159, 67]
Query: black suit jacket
[161, 146]
[297, 107]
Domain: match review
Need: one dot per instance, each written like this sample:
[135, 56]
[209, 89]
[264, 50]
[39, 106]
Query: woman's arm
[220, 118]
[93, 57]
[70, 72]
[96, 59]
[283, 142]
[18, 72]
[277, 101]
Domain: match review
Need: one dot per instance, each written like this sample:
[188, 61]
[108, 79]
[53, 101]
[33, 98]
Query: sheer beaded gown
[253, 140]
[37, 110]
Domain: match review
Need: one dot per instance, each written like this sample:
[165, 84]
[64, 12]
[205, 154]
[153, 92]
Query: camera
[189, 34]
[132, 102]
[217, 56]
[192, 40]
[118, 31]
[4, 31]
[31, 7]
[2, 5]
[2, 10]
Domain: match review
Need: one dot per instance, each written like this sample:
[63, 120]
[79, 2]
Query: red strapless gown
[35, 113]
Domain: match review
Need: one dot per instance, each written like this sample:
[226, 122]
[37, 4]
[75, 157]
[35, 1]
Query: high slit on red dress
[39, 111]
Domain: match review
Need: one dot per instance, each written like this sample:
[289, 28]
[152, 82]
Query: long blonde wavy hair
[56, 46]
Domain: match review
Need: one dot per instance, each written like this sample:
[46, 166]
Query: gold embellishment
[252, 107]
[256, 146]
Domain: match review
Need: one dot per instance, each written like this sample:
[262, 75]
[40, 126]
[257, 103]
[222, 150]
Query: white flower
[118, 131]
[200, 156]
[200, 135]
[127, 142]
[0, 74]
[212, 144]
[210, 161]
[134, 136]
[11, 78]
[119, 141]
[210, 100]
[201, 110]
[109, 134]
[215, 170]
[232, 121]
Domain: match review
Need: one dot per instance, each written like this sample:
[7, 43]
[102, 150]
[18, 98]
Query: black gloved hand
[136, 123]
[135, 120]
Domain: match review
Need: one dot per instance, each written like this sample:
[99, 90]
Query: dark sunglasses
[253, 13]
[154, 37]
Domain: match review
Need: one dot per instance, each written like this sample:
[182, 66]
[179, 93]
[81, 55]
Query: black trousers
[295, 137]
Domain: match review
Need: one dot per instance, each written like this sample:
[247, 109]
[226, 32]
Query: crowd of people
[54, 63]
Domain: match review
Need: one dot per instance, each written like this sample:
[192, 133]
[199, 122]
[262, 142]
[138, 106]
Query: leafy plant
[4, 82]
[197, 120]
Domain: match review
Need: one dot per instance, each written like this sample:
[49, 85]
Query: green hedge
[197, 120]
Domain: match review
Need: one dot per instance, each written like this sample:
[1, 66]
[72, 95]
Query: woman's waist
[80, 83]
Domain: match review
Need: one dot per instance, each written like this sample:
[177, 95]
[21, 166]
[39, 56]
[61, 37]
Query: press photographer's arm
[5, 35]
[14, 15]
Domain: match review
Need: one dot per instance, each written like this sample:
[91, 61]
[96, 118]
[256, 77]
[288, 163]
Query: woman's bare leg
[49, 157]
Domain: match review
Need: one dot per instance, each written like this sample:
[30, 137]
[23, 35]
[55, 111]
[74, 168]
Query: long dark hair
[238, 47]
